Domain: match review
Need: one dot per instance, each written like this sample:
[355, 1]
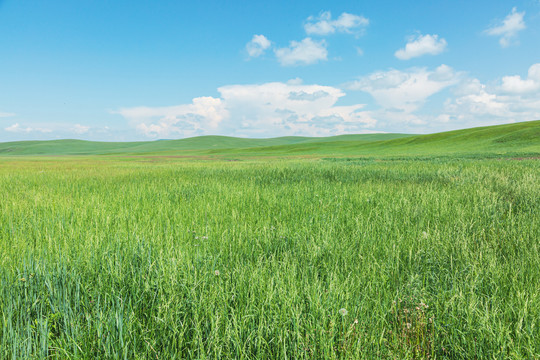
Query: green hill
[201, 144]
[511, 139]
[519, 139]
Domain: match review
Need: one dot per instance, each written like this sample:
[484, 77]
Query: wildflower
[356, 321]
[216, 272]
[205, 237]
[343, 311]
[408, 325]
[424, 234]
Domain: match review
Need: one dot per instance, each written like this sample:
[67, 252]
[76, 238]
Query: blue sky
[140, 70]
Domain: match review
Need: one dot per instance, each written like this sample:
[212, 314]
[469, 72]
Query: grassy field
[327, 252]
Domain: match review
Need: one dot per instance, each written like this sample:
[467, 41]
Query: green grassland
[355, 247]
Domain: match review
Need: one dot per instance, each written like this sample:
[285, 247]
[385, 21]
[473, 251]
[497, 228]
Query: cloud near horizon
[17, 128]
[514, 99]
[269, 109]
[292, 108]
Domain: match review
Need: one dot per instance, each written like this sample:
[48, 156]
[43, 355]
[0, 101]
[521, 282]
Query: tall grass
[170, 259]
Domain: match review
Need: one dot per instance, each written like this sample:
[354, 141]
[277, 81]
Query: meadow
[328, 253]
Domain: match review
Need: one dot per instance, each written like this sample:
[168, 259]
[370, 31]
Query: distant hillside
[195, 144]
[511, 139]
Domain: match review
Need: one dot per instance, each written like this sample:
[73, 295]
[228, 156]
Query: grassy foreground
[320, 257]
[281, 259]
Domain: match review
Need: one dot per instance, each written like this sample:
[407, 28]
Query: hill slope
[195, 144]
[511, 139]
[519, 139]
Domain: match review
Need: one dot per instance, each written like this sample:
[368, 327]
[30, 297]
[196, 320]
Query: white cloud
[473, 98]
[80, 129]
[324, 25]
[6, 114]
[515, 84]
[293, 108]
[259, 110]
[16, 128]
[276, 108]
[513, 100]
[295, 81]
[304, 52]
[406, 91]
[511, 25]
[402, 95]
[257, 45]
[422, 45]
[203, 115]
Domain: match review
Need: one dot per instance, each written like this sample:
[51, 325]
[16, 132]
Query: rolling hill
[511, 139]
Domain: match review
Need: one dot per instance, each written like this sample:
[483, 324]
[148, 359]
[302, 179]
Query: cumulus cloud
[421, 45]
[469, 102]
[203, 115]
[280, 108]
[515, 84]
[303, 52]
[474, 98]
[345, 23]
[16, 128]
[407, 90]
[514, 99]
[259, 110]
[294, 108]
[257, 45]
[508, 29]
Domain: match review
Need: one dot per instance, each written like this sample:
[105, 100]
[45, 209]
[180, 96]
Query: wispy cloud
[509, 28]
[345, 23]
[16, 128]
[6, 114]
[80, 129]
[421, 45]
[257, 45]
[303, 52]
